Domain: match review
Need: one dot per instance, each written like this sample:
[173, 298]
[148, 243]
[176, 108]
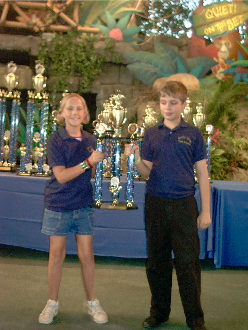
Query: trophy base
[6, 169]
[42, 174]
[110, 206]
[24, 174]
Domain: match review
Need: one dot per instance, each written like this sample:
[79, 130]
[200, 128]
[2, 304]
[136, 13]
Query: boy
[170, 150]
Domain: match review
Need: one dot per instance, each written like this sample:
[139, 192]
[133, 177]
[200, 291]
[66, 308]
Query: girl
[68, 197]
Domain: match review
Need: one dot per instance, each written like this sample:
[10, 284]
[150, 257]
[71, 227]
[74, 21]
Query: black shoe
[153, 322]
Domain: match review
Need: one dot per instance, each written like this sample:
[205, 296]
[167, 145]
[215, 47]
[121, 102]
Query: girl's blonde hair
[61, 119]
[174, 89]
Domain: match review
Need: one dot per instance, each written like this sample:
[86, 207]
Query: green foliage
[227, 154]
[167, 18]
[93, 12]
[148, 67]
[71, 56]
[221, 108]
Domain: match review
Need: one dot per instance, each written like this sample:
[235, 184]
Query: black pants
[171, 226]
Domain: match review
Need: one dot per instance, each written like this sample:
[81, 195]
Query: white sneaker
[50, 310]
[97, 313]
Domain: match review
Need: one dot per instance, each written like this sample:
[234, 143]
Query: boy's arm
[204, 219]
[144, 167]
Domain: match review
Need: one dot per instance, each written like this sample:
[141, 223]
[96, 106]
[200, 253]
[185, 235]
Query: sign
[219, 18]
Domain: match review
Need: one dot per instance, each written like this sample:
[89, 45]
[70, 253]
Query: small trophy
[39, 80]
[115, 188]
[149, 119]
[36, 151]
[11, 78]
[6, 166]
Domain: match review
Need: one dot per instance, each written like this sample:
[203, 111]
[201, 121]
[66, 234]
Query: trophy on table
[5, 165]
[149, 119]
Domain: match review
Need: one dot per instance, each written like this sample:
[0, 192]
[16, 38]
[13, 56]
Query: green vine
[70, 55]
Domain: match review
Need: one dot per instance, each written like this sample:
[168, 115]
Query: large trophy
[33, 154]
[108, 129]
[8, 143]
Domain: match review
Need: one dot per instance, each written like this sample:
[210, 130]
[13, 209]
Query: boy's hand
[129, 150]
[204, 220]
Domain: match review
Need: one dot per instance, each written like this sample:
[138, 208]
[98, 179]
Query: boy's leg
[159, 262]
[186, 247]
[56, 258]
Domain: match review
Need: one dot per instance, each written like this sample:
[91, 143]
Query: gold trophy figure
[36, 151]
[115, 188]
[149, 119]
[39, 81]
[5, 166]
[11, 78]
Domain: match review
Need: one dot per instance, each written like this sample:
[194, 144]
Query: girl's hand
[96, 157]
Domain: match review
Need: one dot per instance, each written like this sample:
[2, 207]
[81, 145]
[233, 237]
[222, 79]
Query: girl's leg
[56, 258]
[86, 258]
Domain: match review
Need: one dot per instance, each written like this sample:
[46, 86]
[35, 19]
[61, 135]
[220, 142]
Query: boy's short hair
[174, 89]
[60, 119]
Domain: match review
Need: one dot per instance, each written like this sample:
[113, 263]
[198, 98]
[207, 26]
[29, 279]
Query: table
[121, 233]
[230, 219]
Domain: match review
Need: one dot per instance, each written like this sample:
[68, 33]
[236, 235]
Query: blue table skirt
[120, 233]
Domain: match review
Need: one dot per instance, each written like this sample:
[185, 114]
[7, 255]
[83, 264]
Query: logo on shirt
[184, 139]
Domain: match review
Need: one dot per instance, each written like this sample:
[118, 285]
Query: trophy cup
[149, 119]
[119, 114]
[11, 78]
[199, 117]
[39, 81]
[5, 166]
[187, 111]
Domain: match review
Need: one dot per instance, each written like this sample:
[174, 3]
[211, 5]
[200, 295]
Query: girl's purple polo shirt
[173, 154]
[64, 150]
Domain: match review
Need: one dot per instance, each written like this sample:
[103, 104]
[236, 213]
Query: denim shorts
[80, 222]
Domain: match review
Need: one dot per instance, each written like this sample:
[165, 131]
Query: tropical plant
[227, 154]
[68, 55]
[93, 12]
[117, 30]
[153, 69]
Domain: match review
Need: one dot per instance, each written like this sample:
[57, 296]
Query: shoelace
[47, 310]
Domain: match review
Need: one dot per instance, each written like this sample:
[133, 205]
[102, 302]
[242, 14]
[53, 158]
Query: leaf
[243, 46]
[131, 31]
[144, 72]
[111, 22]
[240, 63]
[194, 62]
[180, 67]
[122, 24]
[150, 59]
[201, 70]
[103, 29]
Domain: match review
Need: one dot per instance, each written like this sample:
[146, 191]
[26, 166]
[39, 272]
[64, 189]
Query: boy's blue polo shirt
[63, 150]
[173, 154]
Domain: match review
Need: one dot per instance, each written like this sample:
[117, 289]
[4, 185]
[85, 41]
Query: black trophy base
[111, 206]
